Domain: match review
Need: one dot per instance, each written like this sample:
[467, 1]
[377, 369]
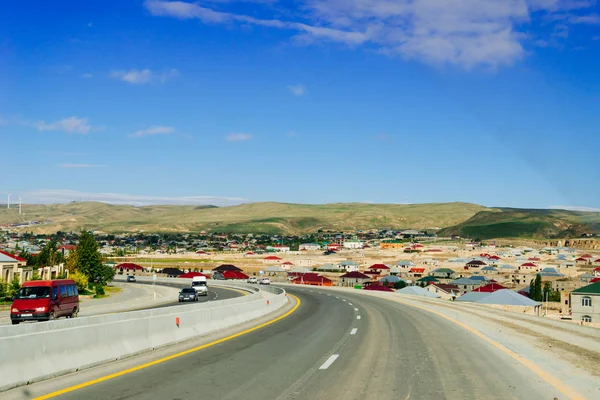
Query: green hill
[252, 217]
[464, 219]
[526, 223]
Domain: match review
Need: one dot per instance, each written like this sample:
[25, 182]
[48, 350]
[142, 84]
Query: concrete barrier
[34, 352]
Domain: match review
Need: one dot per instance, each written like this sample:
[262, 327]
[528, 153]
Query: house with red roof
[66, 249]
[287, 265]
[353, 278]
[489, 288]
[528, 266]
[416, 272]
[597, 262]
[201, 253]
[587, 256]
[233, 275]
[313, 279]
[597, 271]
[272, 259]
[128, 268]
[334, 246]
[379, 268]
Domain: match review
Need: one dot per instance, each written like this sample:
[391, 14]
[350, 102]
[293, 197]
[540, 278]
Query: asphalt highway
[336, 345]
[214, 293]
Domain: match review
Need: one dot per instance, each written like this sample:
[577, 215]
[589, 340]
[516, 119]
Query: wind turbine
[20, 206]
[8, 201]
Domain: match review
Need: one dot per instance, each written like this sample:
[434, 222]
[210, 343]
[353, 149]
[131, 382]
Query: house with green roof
[585, 303]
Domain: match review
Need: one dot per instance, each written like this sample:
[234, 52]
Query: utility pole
[8, 201]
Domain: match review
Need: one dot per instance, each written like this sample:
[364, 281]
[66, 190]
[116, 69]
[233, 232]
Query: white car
[265, 281]
[252, 280]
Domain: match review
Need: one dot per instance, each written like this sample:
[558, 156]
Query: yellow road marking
[171, 357]
[562, 387]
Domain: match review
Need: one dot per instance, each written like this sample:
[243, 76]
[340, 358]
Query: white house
[281, 249]
[353, 244]
[348, 266]
[305, 263]
[309, 247]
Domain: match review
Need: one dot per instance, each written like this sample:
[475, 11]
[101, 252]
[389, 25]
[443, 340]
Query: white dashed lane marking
[329, 361]
[353, 331]
[358, 317]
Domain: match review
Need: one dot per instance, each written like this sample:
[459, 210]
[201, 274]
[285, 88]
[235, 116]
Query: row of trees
[538, 292]
[85, 265]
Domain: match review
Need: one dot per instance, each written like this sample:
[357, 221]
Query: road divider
[34, 352]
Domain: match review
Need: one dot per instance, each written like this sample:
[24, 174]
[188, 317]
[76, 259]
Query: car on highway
[265, 281]
[188, 294]
[45, 301]
[252, 280]
[131, 278]
[200, 285]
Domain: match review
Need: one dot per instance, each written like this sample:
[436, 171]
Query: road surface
[336, 345]
[137, 299]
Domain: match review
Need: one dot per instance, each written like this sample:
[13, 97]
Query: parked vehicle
[252, 280]
[265, 281]
[188, 294]
[131, 278]
[200, 285]
[45, 300]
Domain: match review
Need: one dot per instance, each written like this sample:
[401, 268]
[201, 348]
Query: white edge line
[329, 361]
[353, 331]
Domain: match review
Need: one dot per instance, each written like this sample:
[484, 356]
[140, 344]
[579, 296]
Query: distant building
[309, 247]
[353, 244]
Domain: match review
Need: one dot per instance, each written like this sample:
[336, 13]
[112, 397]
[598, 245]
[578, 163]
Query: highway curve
[214, 293]
[336, 345]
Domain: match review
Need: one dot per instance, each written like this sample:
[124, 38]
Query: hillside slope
[526, 223]
[253, 217]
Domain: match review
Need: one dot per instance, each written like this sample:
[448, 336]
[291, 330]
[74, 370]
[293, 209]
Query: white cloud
[48, 196]
[238, 137]
[87, 76]
[82, 166]
[466, 33]
[297, 90]
[69, 125]
[142, 76]
[153, 130]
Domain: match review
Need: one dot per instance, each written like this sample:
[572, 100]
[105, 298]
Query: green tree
[546, 291]
[399, 285]
[36, 276]
[3, 289]
[89, 259]
[14, 286]
[71, 262]
[535, 288]
[107, 274]
[50, 255]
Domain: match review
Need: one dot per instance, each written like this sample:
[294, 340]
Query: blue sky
[495, 102]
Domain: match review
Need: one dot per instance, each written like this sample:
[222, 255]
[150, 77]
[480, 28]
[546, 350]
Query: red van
[45, 300]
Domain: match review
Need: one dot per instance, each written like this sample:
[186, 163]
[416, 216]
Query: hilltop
[526, 223]
[464, 219]
[265, 217]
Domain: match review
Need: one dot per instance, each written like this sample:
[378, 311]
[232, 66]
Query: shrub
[99, 289]
[81, 281]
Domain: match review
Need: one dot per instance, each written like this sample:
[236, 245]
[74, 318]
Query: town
[555, 281]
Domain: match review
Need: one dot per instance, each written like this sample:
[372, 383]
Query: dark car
[188, 294]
